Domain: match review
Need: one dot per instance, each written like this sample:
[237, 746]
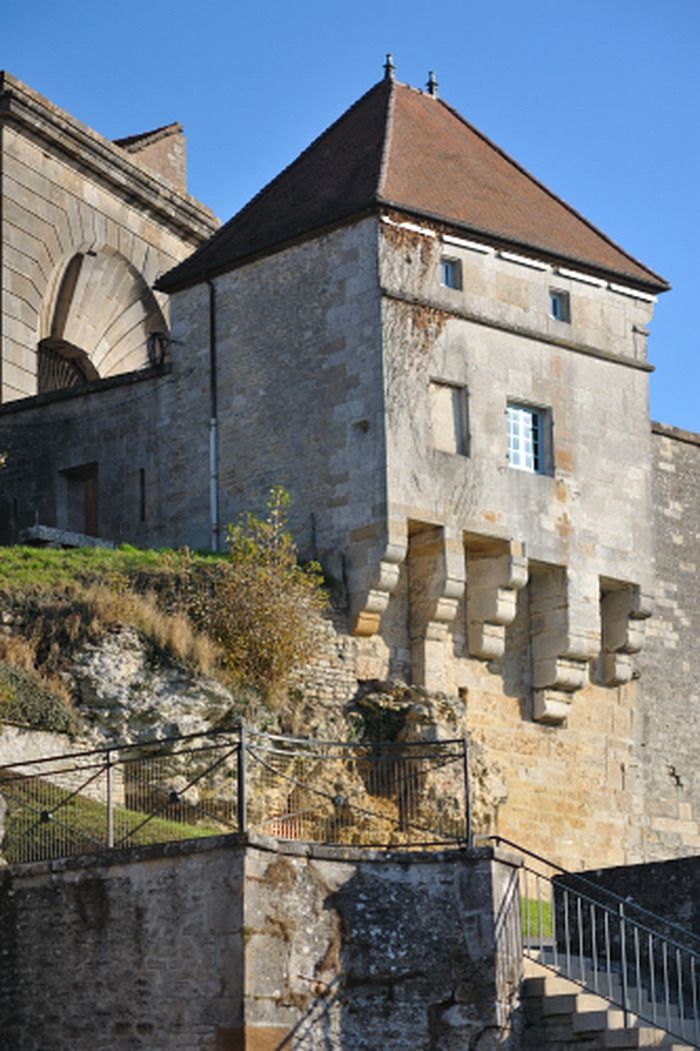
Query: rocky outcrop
[128, 693]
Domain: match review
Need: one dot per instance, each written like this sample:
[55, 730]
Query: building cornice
[515, 330]
[677, 434]
[110, 165]
[123, 379]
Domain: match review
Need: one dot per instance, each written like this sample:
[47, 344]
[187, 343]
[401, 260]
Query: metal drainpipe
[213, 422]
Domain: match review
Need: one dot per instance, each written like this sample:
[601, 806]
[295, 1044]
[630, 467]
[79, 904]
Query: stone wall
[68, 193]
[571, 792]
[670, 889]
[299, 381]
[214, 946]
[669, 738]
[114, 425]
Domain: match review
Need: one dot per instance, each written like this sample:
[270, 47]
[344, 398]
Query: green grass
[78, 824]
[532, 913]
[42, 569]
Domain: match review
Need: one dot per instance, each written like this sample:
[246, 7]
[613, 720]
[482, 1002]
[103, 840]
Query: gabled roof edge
[186, 264]
[163, 284]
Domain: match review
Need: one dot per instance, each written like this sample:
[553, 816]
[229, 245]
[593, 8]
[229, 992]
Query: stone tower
[446, 366]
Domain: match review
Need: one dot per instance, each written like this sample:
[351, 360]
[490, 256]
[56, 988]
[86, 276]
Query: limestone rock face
[392, 711]
[129, 695]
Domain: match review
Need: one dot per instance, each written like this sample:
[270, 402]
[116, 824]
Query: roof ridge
[221, 232]
[550, 193]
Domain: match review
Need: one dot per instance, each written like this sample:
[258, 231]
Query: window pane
[524, 430]
[450, 273]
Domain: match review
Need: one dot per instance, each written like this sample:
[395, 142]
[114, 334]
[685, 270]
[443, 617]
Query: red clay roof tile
[401, 147]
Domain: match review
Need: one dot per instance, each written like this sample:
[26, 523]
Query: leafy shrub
[262, 608]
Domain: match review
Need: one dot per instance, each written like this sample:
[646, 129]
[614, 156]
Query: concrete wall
[215, 946]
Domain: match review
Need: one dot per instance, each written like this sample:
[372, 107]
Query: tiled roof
[401, 147]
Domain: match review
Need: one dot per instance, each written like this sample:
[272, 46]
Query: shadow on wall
[408, 953]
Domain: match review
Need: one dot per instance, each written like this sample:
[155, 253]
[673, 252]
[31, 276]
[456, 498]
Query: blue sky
[600, 99]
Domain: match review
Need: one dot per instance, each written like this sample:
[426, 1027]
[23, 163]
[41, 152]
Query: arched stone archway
[99, 321]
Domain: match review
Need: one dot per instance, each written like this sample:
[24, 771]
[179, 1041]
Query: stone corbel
[492, 592]
[623, 613]
[374, 568]
[565, 625]
[435, 594]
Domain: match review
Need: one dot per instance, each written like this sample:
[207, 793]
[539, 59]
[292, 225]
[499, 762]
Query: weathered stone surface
[670, 889]
[128, 695]
[669, 742]
[71, 195]
[3, 811]
[197, 945]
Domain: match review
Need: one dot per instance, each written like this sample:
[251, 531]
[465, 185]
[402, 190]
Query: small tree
[264, 610]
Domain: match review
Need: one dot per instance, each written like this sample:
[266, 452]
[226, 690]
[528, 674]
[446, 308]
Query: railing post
[110, 799]
[467, 795]
[242, 745]
[623, 958]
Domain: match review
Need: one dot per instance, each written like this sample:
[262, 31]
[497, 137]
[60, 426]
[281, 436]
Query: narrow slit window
[559, 305]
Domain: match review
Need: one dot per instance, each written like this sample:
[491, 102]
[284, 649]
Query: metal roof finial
[389, 68]
[432, 84]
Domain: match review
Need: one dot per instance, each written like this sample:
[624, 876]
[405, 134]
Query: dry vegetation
[249, 618]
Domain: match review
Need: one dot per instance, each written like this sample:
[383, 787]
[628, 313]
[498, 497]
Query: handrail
[353, 744]
[124, 746]
[617, 898]
[119, 746]
[603, 948]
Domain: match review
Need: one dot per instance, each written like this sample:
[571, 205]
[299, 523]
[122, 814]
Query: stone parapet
[235, 942]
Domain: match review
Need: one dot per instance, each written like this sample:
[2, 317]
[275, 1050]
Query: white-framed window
[559, 305]
[448, 417]
[528, 437]
[450, 272]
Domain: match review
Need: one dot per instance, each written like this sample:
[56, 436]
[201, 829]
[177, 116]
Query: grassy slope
[77, 824]
[35, 570]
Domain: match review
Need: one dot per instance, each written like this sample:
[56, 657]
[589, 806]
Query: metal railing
[384, 794]
[634, 958]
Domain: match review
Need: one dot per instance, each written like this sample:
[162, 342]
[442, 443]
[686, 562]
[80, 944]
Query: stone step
[541, 982]
[561, 1014]
[642, 1036]
[599, 1020]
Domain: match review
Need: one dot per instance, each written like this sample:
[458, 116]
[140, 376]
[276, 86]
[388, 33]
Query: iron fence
[634, 958]
[407, 794]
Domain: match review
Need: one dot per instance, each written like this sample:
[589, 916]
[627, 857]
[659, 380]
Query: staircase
[562, 1016]
[601, 971]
